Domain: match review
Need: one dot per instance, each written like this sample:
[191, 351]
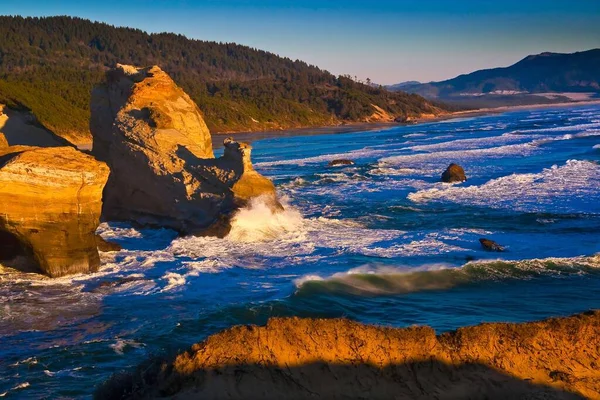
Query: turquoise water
[381, 242]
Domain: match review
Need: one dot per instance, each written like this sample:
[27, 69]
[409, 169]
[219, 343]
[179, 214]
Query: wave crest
[383, 280]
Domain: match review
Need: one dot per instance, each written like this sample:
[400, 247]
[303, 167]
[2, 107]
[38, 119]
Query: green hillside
[50, 65]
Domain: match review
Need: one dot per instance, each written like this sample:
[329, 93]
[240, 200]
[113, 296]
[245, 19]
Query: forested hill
[50, 65]
[540, 73]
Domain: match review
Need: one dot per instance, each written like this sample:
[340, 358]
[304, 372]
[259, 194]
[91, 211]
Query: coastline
[250, 136]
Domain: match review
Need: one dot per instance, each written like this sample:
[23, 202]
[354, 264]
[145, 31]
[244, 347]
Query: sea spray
[260, 221]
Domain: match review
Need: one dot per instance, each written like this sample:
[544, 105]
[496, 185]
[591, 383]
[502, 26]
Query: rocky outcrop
[159, 150]
[3, 142]
[340, 162]
[490, 245]
[50, 203]
[106, 246]
[21, 128]
[454, 173]
[296, 358]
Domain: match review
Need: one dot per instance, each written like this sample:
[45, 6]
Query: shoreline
[250, 136]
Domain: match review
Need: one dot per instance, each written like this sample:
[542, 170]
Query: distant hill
[400, 86]
[536, 74]
[50, 65]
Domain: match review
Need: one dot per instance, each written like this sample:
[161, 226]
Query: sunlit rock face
[50, 205]
[296, 358]
[159, 149]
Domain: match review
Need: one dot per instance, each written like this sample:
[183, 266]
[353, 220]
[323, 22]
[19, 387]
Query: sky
[386, 41]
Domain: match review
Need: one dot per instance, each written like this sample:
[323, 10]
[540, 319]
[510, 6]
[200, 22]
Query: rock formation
[454, 173]
[21, 128]
[340, 162]
[106, 246]
[159, 150]
[296, 358]
[490, 245]
[3, 142]
[50, 203]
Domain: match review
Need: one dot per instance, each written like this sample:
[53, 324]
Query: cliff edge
[293, 358]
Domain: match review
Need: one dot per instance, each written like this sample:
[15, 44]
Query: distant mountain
[535, 74]
[50, 65]
[400, 86]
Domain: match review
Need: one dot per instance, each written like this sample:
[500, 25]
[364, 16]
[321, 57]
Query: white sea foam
[474, 143]
[568, 128]
[445, 157]
[354, 154]
[571, 187]
[384, 280]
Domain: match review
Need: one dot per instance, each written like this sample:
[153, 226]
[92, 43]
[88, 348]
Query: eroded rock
[490, 245]
[21, 128]
[340, 162]
[50, 204]
[159, 150]
[106, 246]
[297, 358]
[454, 173]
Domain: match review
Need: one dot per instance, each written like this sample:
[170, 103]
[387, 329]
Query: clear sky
[386, 41]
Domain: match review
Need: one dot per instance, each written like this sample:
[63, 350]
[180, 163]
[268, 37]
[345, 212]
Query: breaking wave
[383, 280]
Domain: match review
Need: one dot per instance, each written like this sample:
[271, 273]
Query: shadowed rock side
[21, 128]
[159, 150]
[296, 358]
[50, 204]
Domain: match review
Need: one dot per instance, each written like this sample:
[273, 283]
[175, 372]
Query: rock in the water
[159, 150]
[490, 245]
[50, 203]
[337, 163]
[454, 173]
[106, 246]
[295, 358]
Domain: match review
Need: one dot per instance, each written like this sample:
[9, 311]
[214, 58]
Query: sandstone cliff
[22, 128]
[159, 150]
[296, 358]
[50, 204]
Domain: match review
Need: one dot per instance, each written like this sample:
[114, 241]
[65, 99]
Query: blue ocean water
[382, 242]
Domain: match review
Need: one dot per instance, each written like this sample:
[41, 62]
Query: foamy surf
[386, 280]
[568, 188]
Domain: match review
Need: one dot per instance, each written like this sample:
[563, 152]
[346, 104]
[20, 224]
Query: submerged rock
[490, 245]
[50, 204]
[337, 163]
[454, 173]
[163, 171]
[106, 246]
[297, 358]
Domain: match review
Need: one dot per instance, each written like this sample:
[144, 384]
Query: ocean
[382, 242]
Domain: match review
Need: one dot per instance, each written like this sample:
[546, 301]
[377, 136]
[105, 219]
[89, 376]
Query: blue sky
[386, 41]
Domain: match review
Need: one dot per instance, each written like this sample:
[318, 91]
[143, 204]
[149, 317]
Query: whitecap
[571, 187]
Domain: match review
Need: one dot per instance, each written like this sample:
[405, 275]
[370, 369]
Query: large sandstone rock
[295, 358]
[159, 150]
[50, 204]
